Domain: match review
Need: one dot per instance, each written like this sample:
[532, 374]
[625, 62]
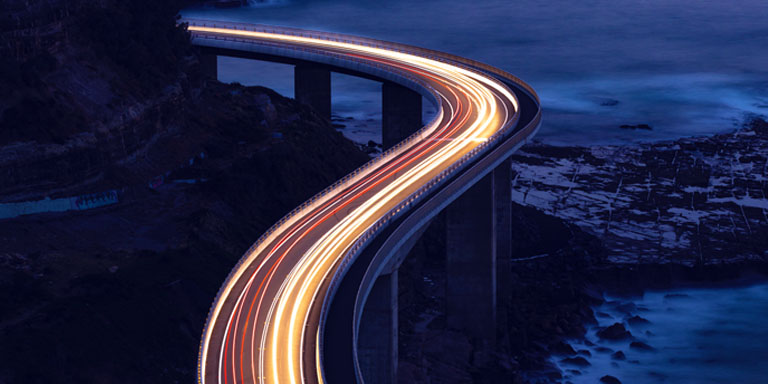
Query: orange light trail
[264, 326]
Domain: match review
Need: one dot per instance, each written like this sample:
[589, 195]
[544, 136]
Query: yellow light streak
[284, 333]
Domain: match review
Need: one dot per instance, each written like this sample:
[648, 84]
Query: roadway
[266, 323]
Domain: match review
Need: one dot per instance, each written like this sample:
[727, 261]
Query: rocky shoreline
[591, 222]
[695, 201]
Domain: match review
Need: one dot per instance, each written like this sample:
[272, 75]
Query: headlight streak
[352, 190]
[327, 249]
[447, 127]
[302, 286]
[265, 336]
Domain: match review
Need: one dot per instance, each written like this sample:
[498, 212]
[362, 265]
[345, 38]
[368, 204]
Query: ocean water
[684, 67]
[698, 335]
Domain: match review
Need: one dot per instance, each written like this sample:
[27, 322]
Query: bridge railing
[369, 42]
[355, 250]
[318, 198]
[412, 199]
[384, 155]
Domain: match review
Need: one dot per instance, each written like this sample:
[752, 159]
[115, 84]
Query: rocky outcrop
[614, 332]
[695, 201]
[119, 294]
[111, 82]
[608, 379]
[28, 27]
[592, 219]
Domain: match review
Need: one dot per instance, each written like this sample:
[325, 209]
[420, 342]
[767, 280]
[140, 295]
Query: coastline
[570, 261]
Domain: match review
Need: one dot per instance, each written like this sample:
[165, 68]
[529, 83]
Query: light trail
[265, 324]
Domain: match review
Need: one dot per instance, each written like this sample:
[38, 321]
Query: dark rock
[614, 332]
[659, 183]
[609, 103]
[553, 375]
[603, 350]
[603, 315]
[537, 325]
[637, 320]
[640, 346]
[609, 380]
[626, 308]
[584, 352]
[639, 126]
[618, 355]
[576, 361]
[123, 105]
[561, 348]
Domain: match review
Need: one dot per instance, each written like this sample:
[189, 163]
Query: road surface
[265, 324]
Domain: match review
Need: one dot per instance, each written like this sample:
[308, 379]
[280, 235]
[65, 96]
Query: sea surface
[697, 335]
[684, 67]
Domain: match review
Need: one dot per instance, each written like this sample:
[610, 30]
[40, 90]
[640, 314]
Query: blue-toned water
[685, 67]
[698, 335]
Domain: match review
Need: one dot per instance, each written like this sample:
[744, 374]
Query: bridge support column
[400, 113]
[312, 86]
[209, 65]
[377, 347]
[502, 211]
[478, 245]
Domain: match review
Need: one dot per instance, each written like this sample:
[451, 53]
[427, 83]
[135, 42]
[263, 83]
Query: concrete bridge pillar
[400, 113]
[477, 246]
[209, 64]
[377, 338]
[502, 211]
[312, 86]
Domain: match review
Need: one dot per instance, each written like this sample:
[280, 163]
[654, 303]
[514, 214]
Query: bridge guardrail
[405, 48]
[415, 197]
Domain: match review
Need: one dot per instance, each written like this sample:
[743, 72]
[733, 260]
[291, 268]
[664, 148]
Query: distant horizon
[686, 68]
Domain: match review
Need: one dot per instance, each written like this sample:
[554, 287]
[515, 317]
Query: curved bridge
[291, 310]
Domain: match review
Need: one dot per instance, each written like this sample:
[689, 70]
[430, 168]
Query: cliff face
[120, 294]
[29, 27]
[113, 100]
[85, 85]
